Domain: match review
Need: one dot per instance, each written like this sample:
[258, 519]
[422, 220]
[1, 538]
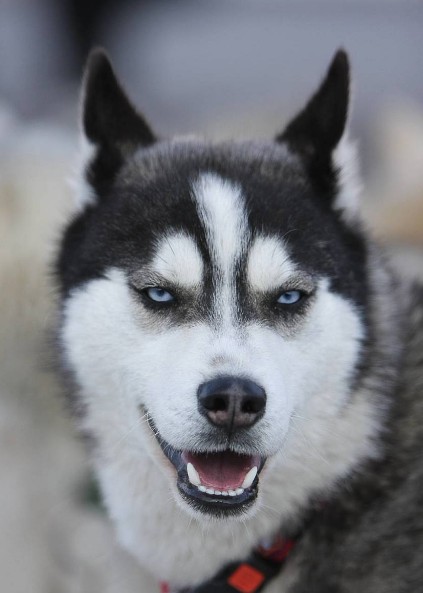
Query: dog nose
[231, 402]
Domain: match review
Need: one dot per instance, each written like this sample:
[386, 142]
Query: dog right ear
[111, 125]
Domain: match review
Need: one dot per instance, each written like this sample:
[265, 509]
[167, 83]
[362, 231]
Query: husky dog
[240, 355]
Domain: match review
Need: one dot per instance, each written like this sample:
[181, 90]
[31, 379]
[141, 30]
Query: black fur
[370, 537]
[317, 130]
[366, 537]
[109, 121]
[121, 229]
[281, 197]
[143, 188]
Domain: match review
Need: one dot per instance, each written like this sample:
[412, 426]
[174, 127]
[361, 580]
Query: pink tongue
[224, 471]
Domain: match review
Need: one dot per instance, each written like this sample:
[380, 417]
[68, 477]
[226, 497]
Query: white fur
[346, 162]
[269, 265]
[222, 212]
[50, 541]
[123, 359]
[178, 260]
[311, 433]
[83, 192]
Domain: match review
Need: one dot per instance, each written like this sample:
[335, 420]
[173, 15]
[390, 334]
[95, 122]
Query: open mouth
[217, 483]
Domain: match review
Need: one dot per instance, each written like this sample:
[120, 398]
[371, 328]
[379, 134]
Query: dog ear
[112, 129]
[108, 118]
[317, 129]
[318, 135]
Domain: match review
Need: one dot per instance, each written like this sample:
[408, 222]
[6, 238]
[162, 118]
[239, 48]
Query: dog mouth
[214, 482]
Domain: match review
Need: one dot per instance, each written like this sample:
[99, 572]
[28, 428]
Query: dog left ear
[317, 135]
[318, 128]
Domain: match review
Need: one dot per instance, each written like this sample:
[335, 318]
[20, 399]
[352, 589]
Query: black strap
[220, 582]
[266, 562]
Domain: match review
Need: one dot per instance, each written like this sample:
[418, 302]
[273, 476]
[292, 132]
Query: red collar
[249, 576]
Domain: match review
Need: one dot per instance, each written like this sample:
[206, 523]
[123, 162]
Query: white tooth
[225, 493]
[202, 488]
[239, 490]
[193, 476]
[218, 492]
[249, 478]
[232, 492]
[209, 490]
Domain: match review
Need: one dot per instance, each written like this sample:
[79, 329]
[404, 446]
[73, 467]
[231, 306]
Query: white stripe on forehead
[222, 212]
[269, 264]
[178, 260]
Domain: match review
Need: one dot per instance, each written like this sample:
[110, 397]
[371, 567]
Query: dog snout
[231, 402]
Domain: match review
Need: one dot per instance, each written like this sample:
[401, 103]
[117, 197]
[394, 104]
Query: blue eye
[290, 297]
[159, 295]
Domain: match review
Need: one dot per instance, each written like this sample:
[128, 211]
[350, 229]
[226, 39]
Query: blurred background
[221, 68]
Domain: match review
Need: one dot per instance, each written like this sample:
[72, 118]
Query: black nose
[231, 402]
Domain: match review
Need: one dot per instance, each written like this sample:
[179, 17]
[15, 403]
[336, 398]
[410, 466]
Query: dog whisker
[124, 437]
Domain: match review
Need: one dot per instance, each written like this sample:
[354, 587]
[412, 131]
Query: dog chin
[215, 484]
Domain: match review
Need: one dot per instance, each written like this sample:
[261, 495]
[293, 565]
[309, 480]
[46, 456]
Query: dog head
[214, 296]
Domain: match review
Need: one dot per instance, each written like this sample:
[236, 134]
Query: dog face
[214, 297]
